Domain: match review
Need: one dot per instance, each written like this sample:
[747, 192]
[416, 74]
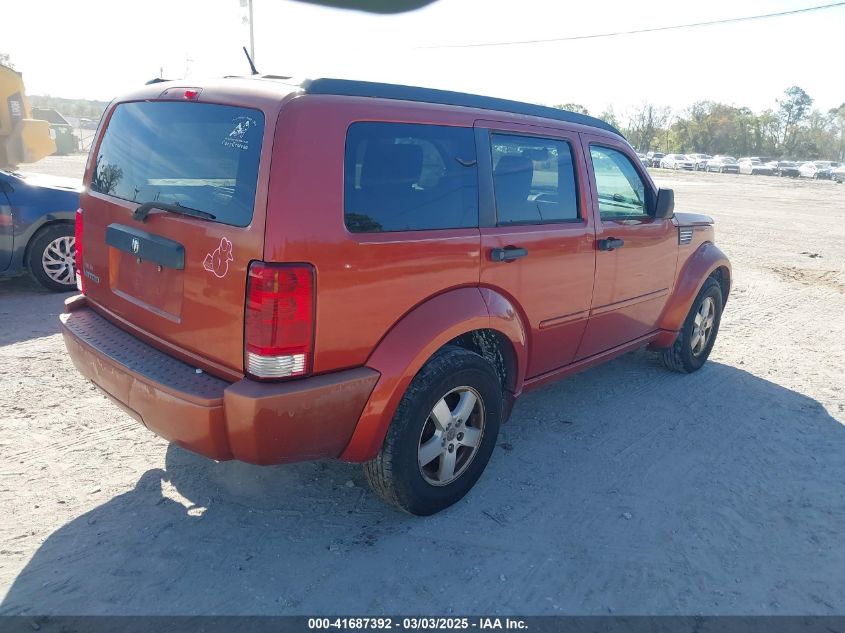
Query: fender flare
[413, 340]
[698, 267]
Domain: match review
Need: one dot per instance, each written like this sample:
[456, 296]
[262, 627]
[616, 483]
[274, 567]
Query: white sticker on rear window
[238, 137]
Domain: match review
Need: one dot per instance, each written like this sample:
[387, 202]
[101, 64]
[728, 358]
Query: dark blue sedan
[37, 228]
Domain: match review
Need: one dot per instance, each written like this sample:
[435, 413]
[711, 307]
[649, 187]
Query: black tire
[37, 247]
[680, 356]
[395, 474]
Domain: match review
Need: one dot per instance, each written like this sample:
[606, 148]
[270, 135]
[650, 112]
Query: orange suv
[276, 272]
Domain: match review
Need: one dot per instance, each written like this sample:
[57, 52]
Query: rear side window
[199, 155]
[534, 180]
[408, 177]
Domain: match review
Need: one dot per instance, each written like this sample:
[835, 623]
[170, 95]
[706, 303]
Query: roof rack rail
[353, 88]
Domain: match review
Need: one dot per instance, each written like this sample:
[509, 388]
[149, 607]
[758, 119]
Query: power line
[746, 18]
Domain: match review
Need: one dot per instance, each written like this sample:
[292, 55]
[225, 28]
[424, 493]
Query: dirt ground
[626, 489]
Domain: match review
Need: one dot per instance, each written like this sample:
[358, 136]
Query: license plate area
[146, 270]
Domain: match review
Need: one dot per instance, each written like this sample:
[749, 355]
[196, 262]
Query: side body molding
[413, 340]
[698, 267]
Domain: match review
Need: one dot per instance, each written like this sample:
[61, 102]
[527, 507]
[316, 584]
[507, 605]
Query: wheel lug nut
[460, 436]
[451, 448]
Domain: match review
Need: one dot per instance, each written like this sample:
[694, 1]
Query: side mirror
[665, 207]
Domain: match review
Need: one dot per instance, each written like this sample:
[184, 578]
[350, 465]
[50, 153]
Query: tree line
[792, 130]
[70, 107]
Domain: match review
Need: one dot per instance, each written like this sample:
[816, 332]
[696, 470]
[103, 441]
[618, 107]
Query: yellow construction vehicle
[22, 138]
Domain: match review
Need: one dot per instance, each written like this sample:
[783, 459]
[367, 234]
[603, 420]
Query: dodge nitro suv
[276, 272]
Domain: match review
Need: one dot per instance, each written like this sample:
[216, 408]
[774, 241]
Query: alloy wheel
[451, 436]
[702, 326]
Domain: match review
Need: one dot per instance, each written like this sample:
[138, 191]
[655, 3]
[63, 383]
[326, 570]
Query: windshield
[197, 155]
[728, 159]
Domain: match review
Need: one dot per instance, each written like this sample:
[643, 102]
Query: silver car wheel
[58, 260]
[702, 326]
[451, 436]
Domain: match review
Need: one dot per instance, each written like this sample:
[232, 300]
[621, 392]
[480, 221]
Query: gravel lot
[626, 489]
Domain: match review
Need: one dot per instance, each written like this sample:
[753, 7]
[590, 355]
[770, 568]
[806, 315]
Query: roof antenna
[249, 59]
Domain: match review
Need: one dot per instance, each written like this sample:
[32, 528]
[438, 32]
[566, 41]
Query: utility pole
[247, 4]
[251, 34]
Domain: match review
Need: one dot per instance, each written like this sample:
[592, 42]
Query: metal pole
[251, 34]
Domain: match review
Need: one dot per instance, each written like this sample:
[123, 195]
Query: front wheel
[442, 435]
[698, 333]
[51, 258]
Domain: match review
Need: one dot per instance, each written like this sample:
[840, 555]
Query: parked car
[817, 169]
[397, 319]
[723, 165]
[837, 174]
[676, 161]
[37, 228]
[754, 166]
[699, 161]
[786, 168]
[62, 132]
[643, 160]
[654, 158]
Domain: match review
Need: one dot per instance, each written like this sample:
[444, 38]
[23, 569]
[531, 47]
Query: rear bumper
[260, 423]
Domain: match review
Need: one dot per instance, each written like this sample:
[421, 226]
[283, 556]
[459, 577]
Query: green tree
[839, 130]
[609, 116]
[819, 137]
[572, 107]
[645, 122]
[792, 110]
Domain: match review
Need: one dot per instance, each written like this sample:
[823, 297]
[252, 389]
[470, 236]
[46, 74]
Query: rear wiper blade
[144, 209]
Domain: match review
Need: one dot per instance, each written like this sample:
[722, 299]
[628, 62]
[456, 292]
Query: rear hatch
[176, 279]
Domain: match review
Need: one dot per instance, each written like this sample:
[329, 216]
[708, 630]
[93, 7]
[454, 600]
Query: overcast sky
[97, 49]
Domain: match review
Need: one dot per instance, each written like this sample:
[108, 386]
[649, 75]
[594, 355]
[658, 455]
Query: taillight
[77, 245]
[279, 328]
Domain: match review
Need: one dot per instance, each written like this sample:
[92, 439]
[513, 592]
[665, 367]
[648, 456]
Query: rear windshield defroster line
[196, 155]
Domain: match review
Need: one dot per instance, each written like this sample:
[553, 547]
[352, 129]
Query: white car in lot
[677, 161]
[756, 166]
[699, 161]
[722, 164]
[817, 169]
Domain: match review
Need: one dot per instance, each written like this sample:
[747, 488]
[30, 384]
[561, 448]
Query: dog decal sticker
[217, 261]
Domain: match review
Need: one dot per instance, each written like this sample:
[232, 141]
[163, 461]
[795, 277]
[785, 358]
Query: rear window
[199, 155]
[409, 177]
